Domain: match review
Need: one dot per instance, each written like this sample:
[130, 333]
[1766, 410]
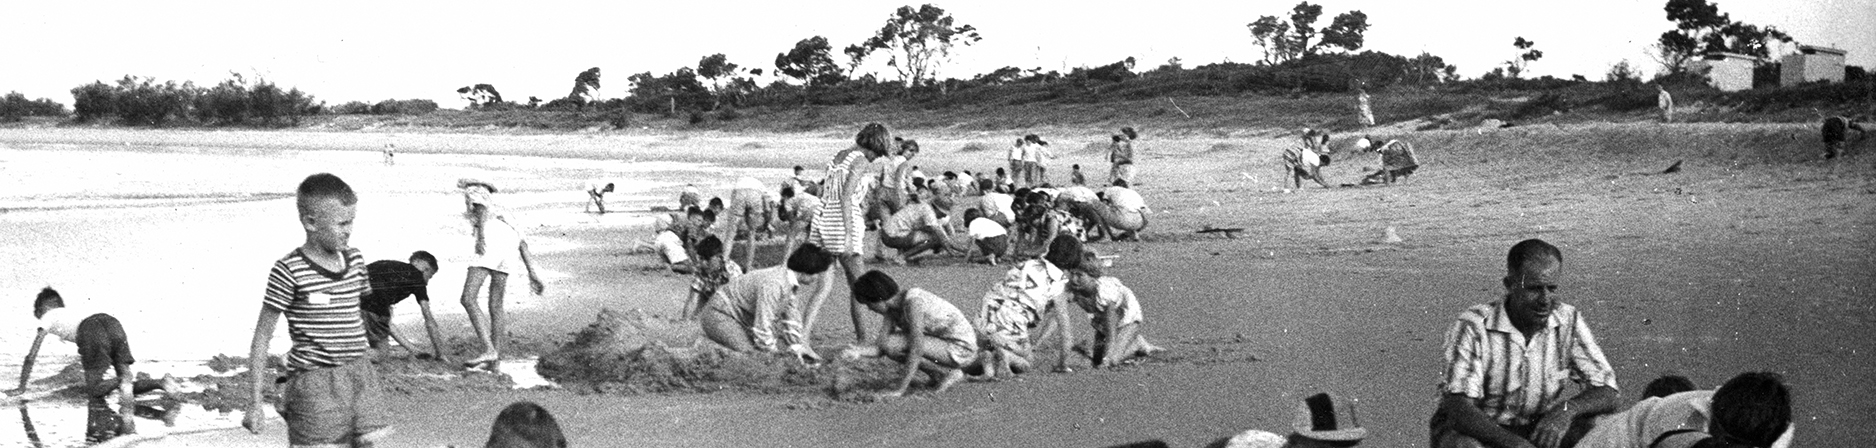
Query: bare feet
[951, 377]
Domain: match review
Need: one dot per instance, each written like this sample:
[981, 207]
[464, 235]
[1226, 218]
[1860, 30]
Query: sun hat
[1322, 417]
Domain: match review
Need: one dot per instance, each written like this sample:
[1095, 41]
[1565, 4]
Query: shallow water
[176, 242]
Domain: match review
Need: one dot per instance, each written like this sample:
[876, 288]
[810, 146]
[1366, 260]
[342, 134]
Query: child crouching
[1114, 312]
[923, 331]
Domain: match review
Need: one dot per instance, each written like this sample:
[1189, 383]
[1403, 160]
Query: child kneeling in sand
[991, 238]
[1017, 303]
[713, 270]
[1113, 311]
[923, 331]
[101, 345]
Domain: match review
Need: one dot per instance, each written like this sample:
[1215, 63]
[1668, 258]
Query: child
[1304, 160]
[331, 395]
[101, 345]
[713, 270]
[393, 281]
[991, 238]
[1018, 303]
[525, 424]
[501, 251]
[922, 330]
[760, 312]
[1075, 177]
[1398, 160]
[797, 212]
[1114, 312]
[596, 196]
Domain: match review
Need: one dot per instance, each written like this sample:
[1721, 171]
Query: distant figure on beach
[596, 196]
[1665, 102]
[1305, 161]
[1837, 132]
[923, 331]
[690, 197]
[1322, 421]
[1019, 163]
[1113, 311]
[915, 230]
[1509, 363]
[393, 281]
[102, 345]
[1120, 155]
[1751, 410]
[841, 226]
[750, 211]
[1037, 151]
[1364, 112]
[319, 286]
[1030, 295]
[525, 424]
[1398, 160]
[500, 250]
[761, 311]
[1075, 177]
[390, 154]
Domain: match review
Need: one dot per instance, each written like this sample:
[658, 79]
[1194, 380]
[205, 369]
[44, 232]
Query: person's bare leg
[498, 290]
[749, 258]
[854, 265]
[471, 303]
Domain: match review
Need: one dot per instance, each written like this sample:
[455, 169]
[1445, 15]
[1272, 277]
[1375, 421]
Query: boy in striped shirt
[332, 395]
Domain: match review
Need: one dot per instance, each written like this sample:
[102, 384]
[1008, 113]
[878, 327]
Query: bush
[143, 101]
[728, 114]
[15, 106]
[93, 101]
[620, 118]
[696, 117]
[403, 107]
[351, 108]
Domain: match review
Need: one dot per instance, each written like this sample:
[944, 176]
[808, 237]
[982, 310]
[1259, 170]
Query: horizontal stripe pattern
[326, 332]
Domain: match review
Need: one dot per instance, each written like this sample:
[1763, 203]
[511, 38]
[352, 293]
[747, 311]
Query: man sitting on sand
[758, 312]
[923, 331]
[1397, 160]
[1750, 410]
[1508, 362]
[393, 281]
[1837, 131]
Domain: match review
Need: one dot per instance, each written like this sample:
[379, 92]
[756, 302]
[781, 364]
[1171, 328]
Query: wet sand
[1754, 257]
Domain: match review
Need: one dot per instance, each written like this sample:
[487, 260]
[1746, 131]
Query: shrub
[16, 106]
[728, 114]
[620, 118]
[696, 117]
[93, 101]
[403, 107]
[351, 108]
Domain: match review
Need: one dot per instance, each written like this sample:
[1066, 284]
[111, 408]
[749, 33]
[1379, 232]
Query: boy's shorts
[335, 406]
[996, 245]
[377, 328]
[671, 247]
[101, 343]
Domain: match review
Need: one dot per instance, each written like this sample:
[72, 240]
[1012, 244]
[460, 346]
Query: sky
[342, 51]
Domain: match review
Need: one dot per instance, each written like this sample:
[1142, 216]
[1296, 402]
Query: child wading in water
[922, 330]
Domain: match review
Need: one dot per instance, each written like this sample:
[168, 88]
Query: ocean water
[176, 242]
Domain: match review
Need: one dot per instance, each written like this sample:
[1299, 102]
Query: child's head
[327, 208]
[1120, 183]
[873, 289]
[1129, 131]
[525, 425]
[810, 259]
[1117, 138]
[716, 203]
[875, 139]
[1001, 174]
[799, 170]
[951, 175]
[608, 188]
[425, 262]
[710, 247]
[908, 148]
[694, 215]
[1754, 408]
[707, 217]
[986, 185]
[1064, 252]
[971, 214]
[788, 192]
[48, 300]
[1667, 385]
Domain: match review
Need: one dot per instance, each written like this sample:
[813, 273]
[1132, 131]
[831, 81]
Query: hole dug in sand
[632, 352]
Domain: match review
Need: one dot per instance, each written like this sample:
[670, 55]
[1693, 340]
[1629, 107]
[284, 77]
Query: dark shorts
[996, 245]
[102, 344]
[377, 328]
[335, 406]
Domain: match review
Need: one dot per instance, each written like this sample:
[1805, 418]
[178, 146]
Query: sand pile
[631, 352]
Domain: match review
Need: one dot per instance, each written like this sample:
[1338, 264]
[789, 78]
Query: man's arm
[26, 371]
[429, 323]
[392, 329]
[255, 420]
[1595, 400]
[1463, 414]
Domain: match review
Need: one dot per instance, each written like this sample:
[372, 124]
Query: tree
[1621, 72]
[918, 42]
[480, 95]
[717, 68]
[1286, 41]
[809, 62]
[1515, 66]
[585, 87]
[1424, 69]
[1700, 28]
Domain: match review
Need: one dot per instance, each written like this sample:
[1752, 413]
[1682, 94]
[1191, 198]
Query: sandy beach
[1755, 256]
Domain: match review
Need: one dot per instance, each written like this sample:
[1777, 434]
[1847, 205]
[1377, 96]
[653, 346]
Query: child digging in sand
[1114, 312]
[923, 331]
[1017, 303]
[101, 345]
[713, 270]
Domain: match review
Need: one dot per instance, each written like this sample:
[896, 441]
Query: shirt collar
[1500, 321]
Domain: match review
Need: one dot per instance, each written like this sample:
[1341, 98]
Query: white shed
[1726, 71]
[1812, 63]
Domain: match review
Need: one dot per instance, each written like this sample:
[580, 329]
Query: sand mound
[631, 352]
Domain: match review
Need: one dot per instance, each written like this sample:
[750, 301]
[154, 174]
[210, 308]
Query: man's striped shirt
[1516, 381]
[322, 309]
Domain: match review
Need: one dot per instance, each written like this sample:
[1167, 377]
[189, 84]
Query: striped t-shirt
[322, 309]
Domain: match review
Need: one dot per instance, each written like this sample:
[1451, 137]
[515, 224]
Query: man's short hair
[1120, 183]
[709, 215]
[693, 210]
[810, 259]
[1754, 407]
[321, 186]
[1064, 252]
[971, 214]
[710, 247]
[1667, 385]
[1528, 251]
[47, 300]
[874, 287]
[525, 424]
[425, 256]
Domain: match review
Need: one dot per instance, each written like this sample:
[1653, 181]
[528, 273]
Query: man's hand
[1549, 432]
[255, 420]
[535, 284]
